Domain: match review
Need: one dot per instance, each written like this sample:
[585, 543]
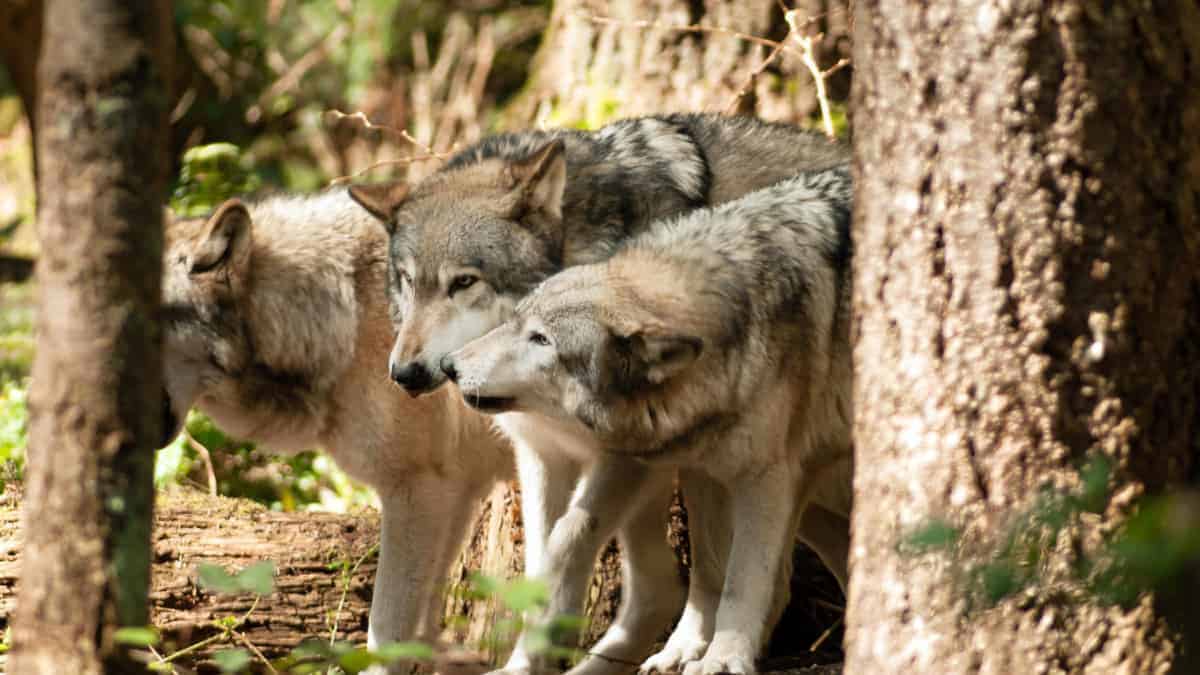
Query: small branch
[807, 56]
[775, 52]
[207, 459]
[257, 652]
[346, 589]
[368, 124]
[825, 636]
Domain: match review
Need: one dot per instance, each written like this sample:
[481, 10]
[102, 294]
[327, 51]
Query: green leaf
[231, 660]
[1093, 496]
[522, 595]
[356, 661]
[214, 578]
[999, 580]
[136, 636]
[483, 586]
[258, 578]
[416, 651]
[934, 535]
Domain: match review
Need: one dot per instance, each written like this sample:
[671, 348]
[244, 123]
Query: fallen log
[325, 564]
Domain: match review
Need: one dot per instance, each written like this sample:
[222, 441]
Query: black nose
[448, 368]
[413, 376]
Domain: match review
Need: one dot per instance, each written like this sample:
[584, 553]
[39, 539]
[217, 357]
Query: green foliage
[14, 431]
[934, 535]
[1152, 547]
[231, 660]
[313, 656]
[520, 597]
[209, 175]
[137, 636]
[258, 578]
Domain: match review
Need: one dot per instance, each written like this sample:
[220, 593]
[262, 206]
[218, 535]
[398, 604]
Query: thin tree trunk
[95, 400]
[1027, 250]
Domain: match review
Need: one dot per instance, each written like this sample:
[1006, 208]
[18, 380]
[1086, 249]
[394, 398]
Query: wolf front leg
[425, 520]
[709, 534]
[610, 490]
[652, 592]
[764, 520]
[547, 478]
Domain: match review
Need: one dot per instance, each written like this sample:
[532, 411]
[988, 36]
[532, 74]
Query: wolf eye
[462, 283]
[539, 339]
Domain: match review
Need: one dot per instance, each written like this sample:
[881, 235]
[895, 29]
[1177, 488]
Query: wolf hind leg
[609, 491]
[828, 534]
[546, 478]
[651, 591]
[764, 522]
[709, 534]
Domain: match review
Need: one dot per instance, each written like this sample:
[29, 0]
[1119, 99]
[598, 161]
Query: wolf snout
[413, 376]
[447, 366]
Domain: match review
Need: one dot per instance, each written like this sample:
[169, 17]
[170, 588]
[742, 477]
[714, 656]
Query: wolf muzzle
[413, 376]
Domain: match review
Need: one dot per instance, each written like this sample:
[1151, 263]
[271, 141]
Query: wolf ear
[381, 200]
[661, 357]
[540, 180]
[225, 241]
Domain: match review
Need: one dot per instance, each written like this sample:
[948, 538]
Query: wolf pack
[606, 315]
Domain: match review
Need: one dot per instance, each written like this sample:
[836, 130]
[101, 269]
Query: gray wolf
[470, 241]
[276, 320]
[717, 343]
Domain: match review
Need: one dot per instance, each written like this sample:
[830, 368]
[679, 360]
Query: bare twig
[825, 636]
[427, 153]
[257, 652]
[206, 458]
[368, 124]
[346, 589]
[775, 52]
[807, 56]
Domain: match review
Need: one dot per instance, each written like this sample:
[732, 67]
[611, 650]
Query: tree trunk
[1027, 250]
[96, 395]
[599, 61]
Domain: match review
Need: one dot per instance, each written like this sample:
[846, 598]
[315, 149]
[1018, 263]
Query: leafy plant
[1156, 543]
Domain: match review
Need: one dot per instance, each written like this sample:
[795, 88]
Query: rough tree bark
[601, 60]
[1027, 250]
[95, 400]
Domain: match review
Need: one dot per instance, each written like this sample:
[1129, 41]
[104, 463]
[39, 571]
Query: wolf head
[206, 263]
[583, 346]
[261, 312]
[466, 245]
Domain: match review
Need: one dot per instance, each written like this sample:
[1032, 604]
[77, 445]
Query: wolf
[474, 238]
[275, 320]
[716, 343]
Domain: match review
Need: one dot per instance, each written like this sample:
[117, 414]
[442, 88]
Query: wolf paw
[734, 664]
[673, 658]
